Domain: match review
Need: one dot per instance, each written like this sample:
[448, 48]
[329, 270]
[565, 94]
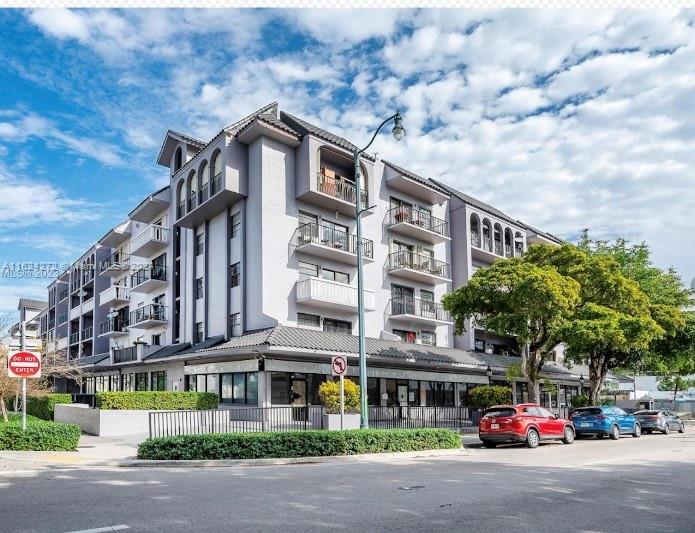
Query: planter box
[350, 421]
[104, 422]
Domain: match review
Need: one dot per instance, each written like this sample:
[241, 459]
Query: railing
[237, 420]
[333, 238]
[114, 292]
[332, 291]
[113, 325]
[148, 312]
[151, 233]
[418, 217]
[62, 319]
[157, 272]
[507, 250]
[125, 355]
[203, 193]
[419, 262]
[181, 209]
[87, 333]
[340, 188]
[51, 324]
[396, 416]
[75, 337]
[419, 307]
[63, 294]
[193, 201]
[216, 183]
[119, 260]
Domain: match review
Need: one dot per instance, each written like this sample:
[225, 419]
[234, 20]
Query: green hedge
[297, 444]
[164, 400]
[40, 435]
[486, 396]
[43, 406]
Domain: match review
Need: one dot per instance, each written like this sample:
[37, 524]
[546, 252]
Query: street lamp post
[581, 384]
[489, 375]
[398, 133]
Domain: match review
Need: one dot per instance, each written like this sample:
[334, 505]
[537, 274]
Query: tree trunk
[596, 376]
[3, 408]
[532, 367]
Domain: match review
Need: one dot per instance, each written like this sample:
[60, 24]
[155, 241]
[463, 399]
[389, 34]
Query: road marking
[118, 527]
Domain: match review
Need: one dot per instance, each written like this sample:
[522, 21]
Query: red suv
[526, 422]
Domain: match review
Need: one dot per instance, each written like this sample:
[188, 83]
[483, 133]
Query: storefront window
[128, 382]
[413, 392]
[521, 392]
[141, 381]
[158, 380]
[373, 397]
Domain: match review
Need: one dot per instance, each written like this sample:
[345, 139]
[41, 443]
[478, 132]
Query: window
[158, 380]
[406, 336]
[236, 224]
[305, 319]
[141, 381]
[235, 320]
[334, 275]
[199, 332]
[428, 337]
[235, 274]
[308, 270]
[191, 383]
[337, 326]
[199, 288]
[114, 382]
[156, 339]
[200, 244]
[239, 387]
[128, 382]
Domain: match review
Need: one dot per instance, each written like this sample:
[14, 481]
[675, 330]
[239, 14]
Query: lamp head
[489, 371]
[398, 129]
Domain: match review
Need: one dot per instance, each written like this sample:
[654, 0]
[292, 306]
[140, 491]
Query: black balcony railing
[181, 209]
[125, 355]
[340, 188]
[113, 325]
[75, 337]
[216, 183]
[193, 201]
[118, 260]
[157, 272]
[63, 294]
[148, 312]
[421, 263]
[203, 193]
[418, 217]
[333, 238]
[419, 307]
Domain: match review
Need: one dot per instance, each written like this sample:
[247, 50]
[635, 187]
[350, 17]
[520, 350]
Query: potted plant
[329, 394]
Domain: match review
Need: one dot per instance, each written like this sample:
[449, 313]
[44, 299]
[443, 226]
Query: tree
[674, 360]
[515, 297]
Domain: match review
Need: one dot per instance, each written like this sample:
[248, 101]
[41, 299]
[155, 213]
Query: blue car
[605, 420]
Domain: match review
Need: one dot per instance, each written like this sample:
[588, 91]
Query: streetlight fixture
[398, 132]
[489, 374]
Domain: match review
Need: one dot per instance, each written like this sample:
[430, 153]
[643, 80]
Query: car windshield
[647, 413]
[588, 411]
[500, 411]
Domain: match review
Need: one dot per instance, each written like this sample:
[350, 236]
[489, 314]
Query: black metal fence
[302, 418]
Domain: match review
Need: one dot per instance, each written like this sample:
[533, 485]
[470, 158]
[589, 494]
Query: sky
[563, 119]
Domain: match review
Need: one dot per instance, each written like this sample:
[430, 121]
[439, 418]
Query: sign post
[24, 365]
[338, 367]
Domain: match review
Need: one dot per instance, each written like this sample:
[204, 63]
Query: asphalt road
[644, 484]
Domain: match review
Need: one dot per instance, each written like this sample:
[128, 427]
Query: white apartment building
[239, 277]
[30, 312]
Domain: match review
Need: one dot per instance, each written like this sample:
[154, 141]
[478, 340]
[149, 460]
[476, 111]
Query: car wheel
[569, 436]
[682, 428]
[489, 444]
[666, 430]
[637, 432]
[533, 439]
[615, 433]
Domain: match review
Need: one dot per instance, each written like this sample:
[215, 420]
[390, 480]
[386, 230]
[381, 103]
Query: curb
[151, 463]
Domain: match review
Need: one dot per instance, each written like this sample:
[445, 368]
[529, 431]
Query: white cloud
[338, 26]
[61, 23]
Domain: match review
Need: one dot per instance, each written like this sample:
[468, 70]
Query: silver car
[659, 420]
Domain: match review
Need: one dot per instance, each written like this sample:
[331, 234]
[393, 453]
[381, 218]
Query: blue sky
[564, 119]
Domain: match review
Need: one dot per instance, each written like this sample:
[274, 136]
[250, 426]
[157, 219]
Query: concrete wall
[103, 423]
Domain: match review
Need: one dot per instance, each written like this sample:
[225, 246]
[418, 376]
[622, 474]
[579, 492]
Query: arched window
[178, 159]
[487, 235]
[203, 178]
[181, 197]
[507, 242]
[498, 238]
[216, 178]
[475, 230]
[518, 243]
[192, 190]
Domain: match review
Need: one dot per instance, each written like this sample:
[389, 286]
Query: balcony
[209, 200]
[483, 249]
[148, 279]
[125, 355]
[113, 327]
[75, 337]
[418, 267]
[332, 295]
[63, 294]
[117, 263]
[417, 310]
[149, 316]
[150, 241]
[87, 333]
[417, 224]
[329, 243]
[115, 296]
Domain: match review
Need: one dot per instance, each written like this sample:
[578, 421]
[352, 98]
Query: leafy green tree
[675, 359]
[515, 297]
[485, 396]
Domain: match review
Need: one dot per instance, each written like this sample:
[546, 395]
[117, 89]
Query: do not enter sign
[24, 365]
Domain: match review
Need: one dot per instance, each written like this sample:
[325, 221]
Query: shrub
[40, 435]
[296, 444]
[488, 395]
[581, 400]
[44, 406]
[163, 400]
[329, 394]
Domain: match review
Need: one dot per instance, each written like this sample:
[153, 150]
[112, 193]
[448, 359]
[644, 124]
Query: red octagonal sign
[24, 365]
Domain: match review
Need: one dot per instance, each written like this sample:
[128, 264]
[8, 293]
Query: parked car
[605, 420]
[528, 423]
[664, 421]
